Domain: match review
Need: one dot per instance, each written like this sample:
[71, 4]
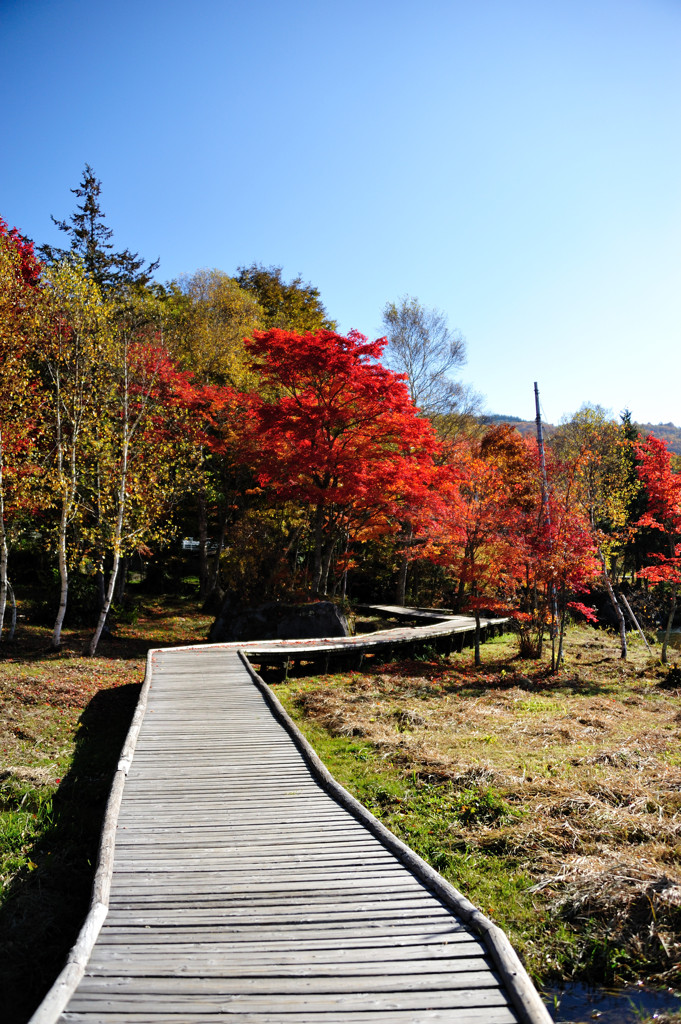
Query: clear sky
[514, 163]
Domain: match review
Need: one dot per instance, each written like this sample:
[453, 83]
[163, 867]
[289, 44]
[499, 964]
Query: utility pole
[542, 459]
[547, 516]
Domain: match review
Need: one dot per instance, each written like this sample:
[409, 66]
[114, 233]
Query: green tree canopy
[295, 306]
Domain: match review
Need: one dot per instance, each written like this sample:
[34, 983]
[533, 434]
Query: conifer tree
[90, 237]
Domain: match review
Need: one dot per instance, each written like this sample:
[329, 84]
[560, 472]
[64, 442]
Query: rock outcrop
[277, 621]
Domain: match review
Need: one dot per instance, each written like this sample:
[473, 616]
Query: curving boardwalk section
[240, 883]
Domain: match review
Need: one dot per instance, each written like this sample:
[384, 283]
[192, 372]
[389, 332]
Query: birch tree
[77, 350]
[149, 446]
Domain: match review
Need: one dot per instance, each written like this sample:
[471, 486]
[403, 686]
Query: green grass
[421, 814]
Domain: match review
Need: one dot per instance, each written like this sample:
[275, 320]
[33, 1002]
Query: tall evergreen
[114, 272]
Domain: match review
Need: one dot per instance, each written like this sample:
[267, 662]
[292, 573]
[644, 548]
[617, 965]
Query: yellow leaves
[209, 328]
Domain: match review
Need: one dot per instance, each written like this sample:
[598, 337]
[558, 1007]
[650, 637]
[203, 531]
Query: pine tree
[114, 272]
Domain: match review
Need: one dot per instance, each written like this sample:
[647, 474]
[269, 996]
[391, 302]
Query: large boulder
[277, 621]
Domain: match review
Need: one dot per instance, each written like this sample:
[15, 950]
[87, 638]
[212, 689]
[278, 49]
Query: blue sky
[514, 163]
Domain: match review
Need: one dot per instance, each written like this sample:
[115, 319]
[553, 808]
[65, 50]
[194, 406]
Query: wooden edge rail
[67, 981]
[526, 999]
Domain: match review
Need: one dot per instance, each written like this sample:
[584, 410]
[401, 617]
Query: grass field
[551, 801]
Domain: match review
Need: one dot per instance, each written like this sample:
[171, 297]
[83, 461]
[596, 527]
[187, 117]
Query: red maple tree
[663, 491]
[338, 432]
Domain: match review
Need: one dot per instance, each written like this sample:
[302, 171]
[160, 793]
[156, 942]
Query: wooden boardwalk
[238, 882]
[439, 630]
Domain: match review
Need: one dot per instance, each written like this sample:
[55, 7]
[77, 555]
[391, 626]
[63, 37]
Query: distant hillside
[665, 431]
[523, 427]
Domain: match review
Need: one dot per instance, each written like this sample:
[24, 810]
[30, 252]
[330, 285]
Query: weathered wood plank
[163, 967]
[485, 1015]
[300, 1002]
[270, 940]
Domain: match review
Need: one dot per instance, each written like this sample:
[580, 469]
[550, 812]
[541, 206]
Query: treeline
[667, 432]
[231, 409]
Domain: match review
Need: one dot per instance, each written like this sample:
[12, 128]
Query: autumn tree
[90, 242]
[335, 429]
[474, 542]
[663, 492]
[20, 407]
[210, 315]
[149, 438]
[508, 542]
[596, 455]
[292, 306]
[207, 318]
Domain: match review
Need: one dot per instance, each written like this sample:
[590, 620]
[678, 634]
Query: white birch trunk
[63, 576]
[118, 536]
[120, 517]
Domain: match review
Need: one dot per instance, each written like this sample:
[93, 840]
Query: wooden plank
[160, 967]
[473, 1015]
[472, 987]
[272, 942]
[369, 958]
[301, 1003]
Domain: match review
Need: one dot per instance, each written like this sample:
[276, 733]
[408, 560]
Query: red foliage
[29, 266]
[333, 426]
[663, 491]
[501, 540]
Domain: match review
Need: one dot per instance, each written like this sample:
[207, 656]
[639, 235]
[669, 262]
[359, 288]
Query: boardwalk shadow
[45, 908]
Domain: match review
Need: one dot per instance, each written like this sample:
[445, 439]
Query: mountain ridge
[668, 432]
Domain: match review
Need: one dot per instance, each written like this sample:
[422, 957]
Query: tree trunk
[318, 539]
[101, 584]
[326, 567]
[670, 622]
[616, 605]
[122, 582]
[214, 570]
[478, 660]
[13, 623]
[103, 615]
[63, 575]
[635, 622]
[204, 573]
[401, 589]
[561, 634]
[118, 532]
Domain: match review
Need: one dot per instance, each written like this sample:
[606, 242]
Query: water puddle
[674, 638]
[577, 1004]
